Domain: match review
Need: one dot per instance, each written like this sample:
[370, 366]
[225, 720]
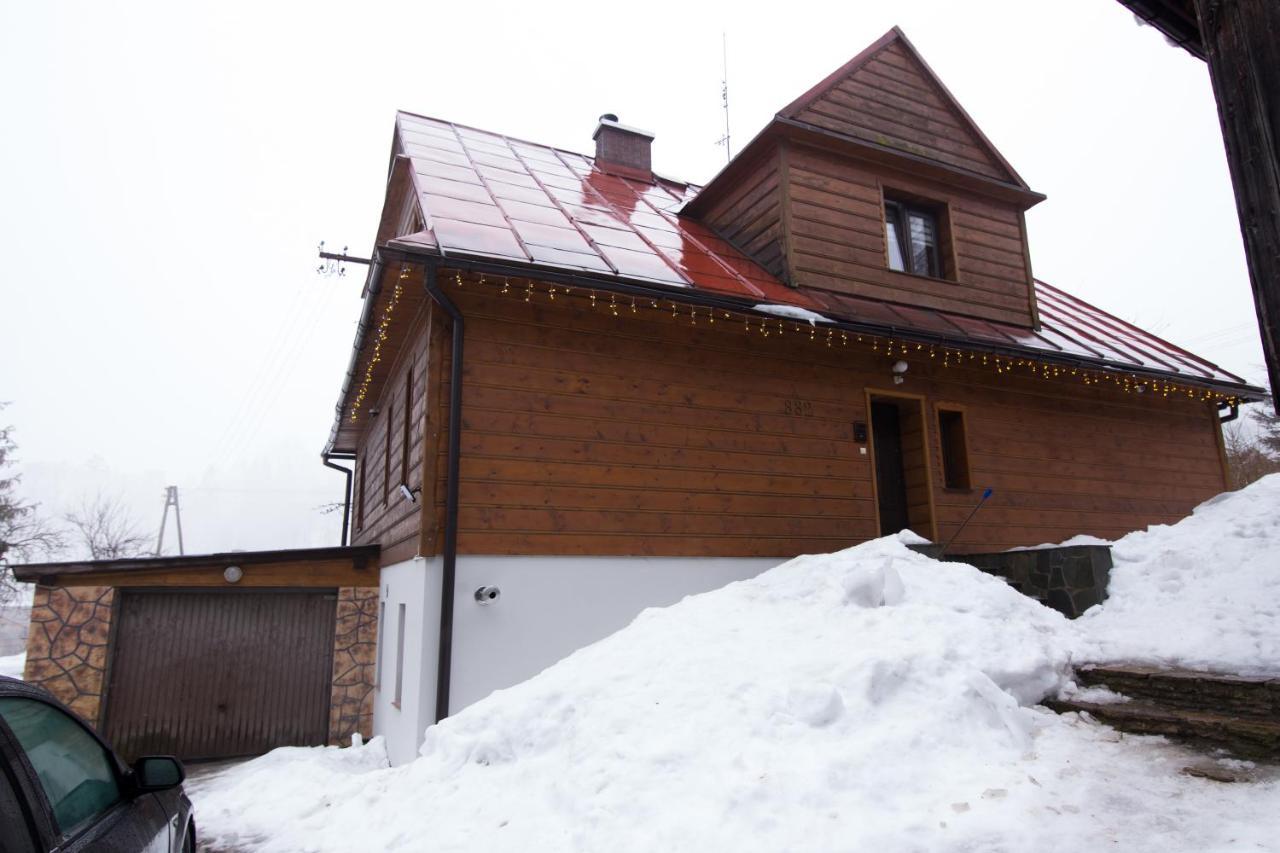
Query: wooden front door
[891, 480]
[220, 673]
[903, 481]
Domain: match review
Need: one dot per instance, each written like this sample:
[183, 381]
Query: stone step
[1256, 698]
[1244, 737]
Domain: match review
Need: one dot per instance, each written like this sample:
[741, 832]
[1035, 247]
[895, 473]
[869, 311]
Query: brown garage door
[218, 674]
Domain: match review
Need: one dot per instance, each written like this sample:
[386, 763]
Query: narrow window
[382, 628]
[911, 230]
[955, 449]
[360, 477]
[408, 426]
[386, 455]
[399, 659]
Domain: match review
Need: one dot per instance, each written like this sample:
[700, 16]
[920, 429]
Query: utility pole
[170, 500]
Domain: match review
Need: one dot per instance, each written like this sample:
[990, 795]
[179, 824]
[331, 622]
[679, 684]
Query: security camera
[411, 495]
[487, 594]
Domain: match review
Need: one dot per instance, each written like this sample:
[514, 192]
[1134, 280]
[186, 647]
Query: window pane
[74, 771]
[924, 244]
[896, 261]
[955, 449]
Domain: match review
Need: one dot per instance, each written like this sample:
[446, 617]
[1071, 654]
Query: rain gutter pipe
[346, 492]
[449, 556]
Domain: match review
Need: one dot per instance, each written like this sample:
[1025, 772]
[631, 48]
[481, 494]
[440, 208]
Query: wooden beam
[1242, 41]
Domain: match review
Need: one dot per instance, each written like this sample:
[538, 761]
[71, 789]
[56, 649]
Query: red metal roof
[490, 197]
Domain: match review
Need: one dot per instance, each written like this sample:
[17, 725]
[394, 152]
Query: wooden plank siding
[892, 101]
[381, 461]
[589, 434]
[838, 240]
[750, 217]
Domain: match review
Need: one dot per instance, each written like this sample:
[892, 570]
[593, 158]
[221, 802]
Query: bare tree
[105, 530]
[1252, 453]
[1267, 419]
[24, 533]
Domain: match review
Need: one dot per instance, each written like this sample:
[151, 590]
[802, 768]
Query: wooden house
[580, 388]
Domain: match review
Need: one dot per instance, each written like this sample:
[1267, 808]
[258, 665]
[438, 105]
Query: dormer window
[911, 230]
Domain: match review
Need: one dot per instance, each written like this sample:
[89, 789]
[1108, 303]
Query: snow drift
[868, 699]
[1202, 593]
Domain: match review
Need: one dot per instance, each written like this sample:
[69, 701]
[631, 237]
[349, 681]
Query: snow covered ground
[868, 699]
[13, 664]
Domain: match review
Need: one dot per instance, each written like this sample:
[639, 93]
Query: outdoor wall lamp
[899, 368]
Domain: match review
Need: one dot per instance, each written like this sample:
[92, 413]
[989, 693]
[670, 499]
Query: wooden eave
[1175, 18]
[858, 149]
[360, 559]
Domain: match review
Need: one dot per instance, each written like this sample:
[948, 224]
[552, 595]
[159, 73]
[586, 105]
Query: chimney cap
[611, 120]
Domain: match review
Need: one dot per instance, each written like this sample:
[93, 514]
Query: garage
[199, 673]
[213, 656]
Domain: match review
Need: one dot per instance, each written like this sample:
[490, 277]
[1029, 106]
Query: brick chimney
[623, 150]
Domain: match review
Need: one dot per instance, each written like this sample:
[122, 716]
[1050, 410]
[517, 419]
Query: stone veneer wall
[67, 645]
[355, 643]
[1070, 578]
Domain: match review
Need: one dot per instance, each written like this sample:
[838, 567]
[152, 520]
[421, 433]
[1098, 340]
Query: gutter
[691, 296]
[346, 492]
[449, 557]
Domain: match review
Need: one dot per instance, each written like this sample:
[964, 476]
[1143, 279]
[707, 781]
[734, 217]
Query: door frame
[927, 440]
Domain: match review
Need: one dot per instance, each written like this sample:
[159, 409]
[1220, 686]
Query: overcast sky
[167, 170]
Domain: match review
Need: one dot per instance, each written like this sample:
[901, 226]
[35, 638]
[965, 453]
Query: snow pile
[837, 698]
[1078, 539]
[13, 664]
[869, 699]
[794, 312]
[1203, 593]
[288, 782]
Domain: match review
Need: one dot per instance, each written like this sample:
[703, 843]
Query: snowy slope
[869, 699]
[1202, 593]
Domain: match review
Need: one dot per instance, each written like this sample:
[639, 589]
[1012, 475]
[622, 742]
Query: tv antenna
[724, 98]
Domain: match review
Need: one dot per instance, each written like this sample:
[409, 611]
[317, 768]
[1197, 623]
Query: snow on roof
[491, 197]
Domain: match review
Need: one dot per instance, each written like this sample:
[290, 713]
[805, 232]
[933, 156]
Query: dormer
[877, 183]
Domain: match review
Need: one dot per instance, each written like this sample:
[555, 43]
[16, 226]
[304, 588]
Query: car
[62, 788]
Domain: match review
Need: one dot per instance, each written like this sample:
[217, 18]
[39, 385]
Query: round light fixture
[232, 574]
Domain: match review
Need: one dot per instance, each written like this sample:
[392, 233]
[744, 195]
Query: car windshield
[73, 768]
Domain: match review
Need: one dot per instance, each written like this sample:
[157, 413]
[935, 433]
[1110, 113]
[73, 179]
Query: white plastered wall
[415, 584]
[548, 608]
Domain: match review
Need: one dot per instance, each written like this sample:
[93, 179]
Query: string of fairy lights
[378, 339]
[776, 328]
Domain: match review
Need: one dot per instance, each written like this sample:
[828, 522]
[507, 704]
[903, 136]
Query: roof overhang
[782, 128]
[358, 559]
[1175, 18]
[405, 252]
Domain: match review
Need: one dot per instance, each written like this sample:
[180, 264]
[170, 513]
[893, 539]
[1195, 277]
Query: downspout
[449, 558]
[346, 493]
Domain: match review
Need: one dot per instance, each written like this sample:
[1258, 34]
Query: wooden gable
[806, 198]
[887, 95]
